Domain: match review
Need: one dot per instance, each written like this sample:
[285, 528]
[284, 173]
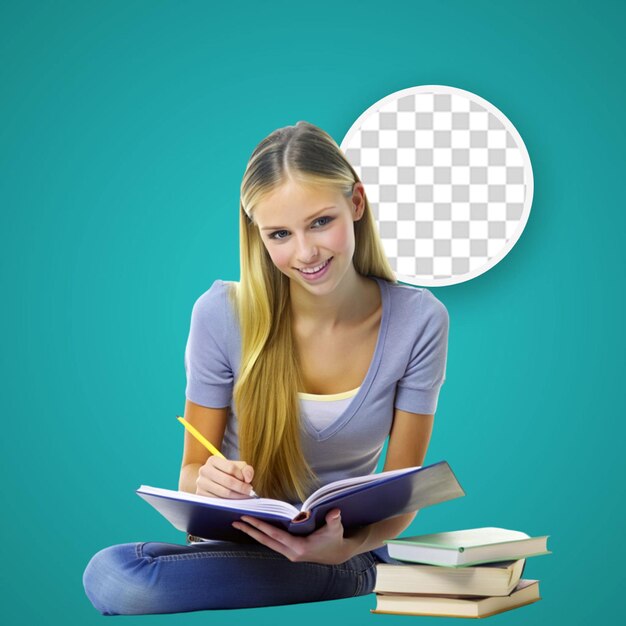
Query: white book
[489, 579]
[526, 592]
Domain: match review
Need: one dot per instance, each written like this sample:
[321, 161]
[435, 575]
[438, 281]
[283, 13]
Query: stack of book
[463, 573]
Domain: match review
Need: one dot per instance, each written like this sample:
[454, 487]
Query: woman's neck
[353, 301]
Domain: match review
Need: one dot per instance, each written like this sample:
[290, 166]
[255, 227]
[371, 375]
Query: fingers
[222, 478]
[270, 536]
[334, 525]
[247, 471]
[228, 467]
[325, 545]
[239, 469]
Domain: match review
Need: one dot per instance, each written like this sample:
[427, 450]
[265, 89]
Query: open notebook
[362, 500]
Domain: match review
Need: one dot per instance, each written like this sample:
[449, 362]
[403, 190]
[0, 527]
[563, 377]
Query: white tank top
[320, 410]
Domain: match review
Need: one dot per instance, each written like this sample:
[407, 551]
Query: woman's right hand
[221, 478]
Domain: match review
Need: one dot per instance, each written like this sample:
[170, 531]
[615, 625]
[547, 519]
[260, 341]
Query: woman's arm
[408, 442]
[212, 424]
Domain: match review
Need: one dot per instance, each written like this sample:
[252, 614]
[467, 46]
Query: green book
[460, 548]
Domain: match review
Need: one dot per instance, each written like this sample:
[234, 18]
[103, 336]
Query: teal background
[125, 129]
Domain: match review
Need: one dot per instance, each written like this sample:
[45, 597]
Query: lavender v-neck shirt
[406, 372]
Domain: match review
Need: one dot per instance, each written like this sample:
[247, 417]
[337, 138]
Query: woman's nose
[307, 251]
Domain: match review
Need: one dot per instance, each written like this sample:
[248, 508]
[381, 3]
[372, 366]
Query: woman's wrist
[373, 536]
[354, 543]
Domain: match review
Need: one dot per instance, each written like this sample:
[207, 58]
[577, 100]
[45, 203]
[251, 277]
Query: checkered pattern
[448, 179]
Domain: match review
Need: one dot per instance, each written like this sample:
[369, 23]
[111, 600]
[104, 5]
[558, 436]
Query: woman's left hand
[326, 545]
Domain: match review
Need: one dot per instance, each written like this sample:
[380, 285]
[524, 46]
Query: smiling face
[303, 228]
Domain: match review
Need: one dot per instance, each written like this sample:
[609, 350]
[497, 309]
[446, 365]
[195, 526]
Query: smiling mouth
[319, 268]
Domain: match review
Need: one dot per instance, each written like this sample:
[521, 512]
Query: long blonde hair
[265, 394]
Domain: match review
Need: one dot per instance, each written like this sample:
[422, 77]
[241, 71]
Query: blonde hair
[265, 394]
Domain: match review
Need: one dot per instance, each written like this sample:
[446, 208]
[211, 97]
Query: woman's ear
[358, 201]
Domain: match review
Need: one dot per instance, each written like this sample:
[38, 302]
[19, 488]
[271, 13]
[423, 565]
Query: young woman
[298, 373]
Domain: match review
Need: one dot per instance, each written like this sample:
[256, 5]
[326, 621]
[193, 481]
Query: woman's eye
[324, 218]
[273, 235]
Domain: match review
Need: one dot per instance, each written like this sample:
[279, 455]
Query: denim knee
[117, 581]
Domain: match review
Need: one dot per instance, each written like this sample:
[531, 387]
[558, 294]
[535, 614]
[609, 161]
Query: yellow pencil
[205, 442]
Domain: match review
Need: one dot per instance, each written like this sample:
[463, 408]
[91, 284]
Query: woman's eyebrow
[308, 219]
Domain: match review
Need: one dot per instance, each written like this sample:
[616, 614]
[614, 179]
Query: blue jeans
[141, 578]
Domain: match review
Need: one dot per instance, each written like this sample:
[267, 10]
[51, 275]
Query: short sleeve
[418, 390]
[209, 374]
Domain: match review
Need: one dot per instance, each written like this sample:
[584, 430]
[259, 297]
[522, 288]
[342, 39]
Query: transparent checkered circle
[448, 178]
